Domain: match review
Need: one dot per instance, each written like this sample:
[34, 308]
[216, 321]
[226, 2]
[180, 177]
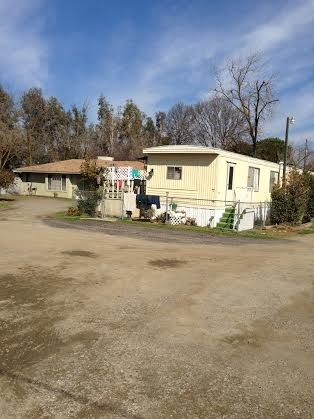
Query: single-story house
[61, 178]
[204, 181]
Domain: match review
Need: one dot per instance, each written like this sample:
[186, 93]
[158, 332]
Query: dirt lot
[96, 325]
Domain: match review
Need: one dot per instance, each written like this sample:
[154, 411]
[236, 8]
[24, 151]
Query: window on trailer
[253, 178]
[230, 178]
[273, 180]
[174, 172]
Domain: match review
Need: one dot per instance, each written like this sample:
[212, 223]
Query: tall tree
[272, 149]
[243, 84]
[131, 131]
[57, 131]
[161, 128]
[80, 139]
[149, 132]
[107, 127]
[11, 137]
[216, 123]
[179, 124]
[34, 118]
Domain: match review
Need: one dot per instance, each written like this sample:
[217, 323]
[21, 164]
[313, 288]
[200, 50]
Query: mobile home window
[174, 172]
[274, 177]
[253, 178]
[57, 183]
[230, 178]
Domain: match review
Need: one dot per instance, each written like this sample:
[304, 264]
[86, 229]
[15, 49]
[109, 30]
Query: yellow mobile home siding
[241, 190]
[198, 176]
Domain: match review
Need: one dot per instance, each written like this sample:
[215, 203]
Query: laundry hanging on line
[146, 201]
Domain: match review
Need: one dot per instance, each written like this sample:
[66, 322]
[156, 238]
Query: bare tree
[243, 85]
[302, 156]
[11, 135]
[179, 124]
[218, 124]
[10, 144]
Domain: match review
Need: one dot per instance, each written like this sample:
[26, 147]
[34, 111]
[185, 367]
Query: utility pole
[305, 155]
[290, 120]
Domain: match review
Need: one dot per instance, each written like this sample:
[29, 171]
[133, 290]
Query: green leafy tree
[272, 149]
[310, 206]
[89, 193]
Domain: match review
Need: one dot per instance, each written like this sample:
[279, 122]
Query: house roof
[74, 166]
[181, 149]
[195, 149]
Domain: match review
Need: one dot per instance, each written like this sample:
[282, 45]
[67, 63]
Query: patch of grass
[62, 215]
[5, 204]
[307, 230]
[256, 233]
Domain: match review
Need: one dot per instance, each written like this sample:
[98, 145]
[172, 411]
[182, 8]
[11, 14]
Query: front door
[230, 192]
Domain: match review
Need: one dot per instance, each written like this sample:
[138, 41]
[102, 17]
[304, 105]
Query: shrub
[290, 201]
[88, 201]
[279, 205]
[73, 212]
[310, 206]
[6, 178]
[191, 221]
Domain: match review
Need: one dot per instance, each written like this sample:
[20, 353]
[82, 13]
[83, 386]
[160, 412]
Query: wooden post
[167, 198]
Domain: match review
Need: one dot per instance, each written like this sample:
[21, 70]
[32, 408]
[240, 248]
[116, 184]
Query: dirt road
[94, 325]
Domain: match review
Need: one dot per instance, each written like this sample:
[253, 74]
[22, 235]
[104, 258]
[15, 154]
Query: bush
[290, 201]
[6, 178]
[310, 206]
[279, 205]
[88, 201]
[73, 212]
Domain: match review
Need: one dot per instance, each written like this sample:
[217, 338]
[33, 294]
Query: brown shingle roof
[74, 166]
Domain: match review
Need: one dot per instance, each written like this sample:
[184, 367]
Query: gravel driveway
[106, 323]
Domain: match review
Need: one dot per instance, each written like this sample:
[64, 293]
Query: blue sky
[157, 52]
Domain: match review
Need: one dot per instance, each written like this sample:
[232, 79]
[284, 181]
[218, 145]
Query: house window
[274, 178]
[57, 183]
[253, 178]
[174, 172]
[230, 177]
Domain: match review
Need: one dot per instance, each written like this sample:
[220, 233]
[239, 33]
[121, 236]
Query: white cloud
[175, 63]
[286, 40]
[22, 49]
[287, 25]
